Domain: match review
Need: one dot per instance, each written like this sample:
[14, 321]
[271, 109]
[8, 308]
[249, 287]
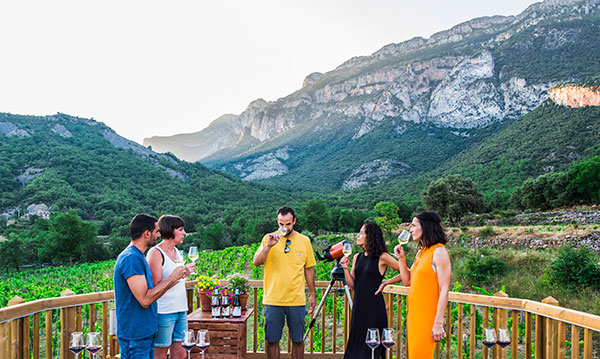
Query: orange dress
[422, 305]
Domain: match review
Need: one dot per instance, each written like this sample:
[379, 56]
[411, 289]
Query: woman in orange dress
[429, 279]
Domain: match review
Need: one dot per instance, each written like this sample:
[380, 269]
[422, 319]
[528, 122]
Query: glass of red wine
[387, 338]
[203, 341]
[372, 340]
[189, 341]
[93, 343]
[489, 337]
[76, 345]
[503, 337]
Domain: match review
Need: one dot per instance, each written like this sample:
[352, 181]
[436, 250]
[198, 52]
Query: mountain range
[421, 108]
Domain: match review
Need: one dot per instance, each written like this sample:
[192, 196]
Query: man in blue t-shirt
[135, 296]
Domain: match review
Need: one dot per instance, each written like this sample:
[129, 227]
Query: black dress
[368, 310]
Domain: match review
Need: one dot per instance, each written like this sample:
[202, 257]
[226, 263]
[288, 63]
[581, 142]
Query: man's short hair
[285, 210]
[140, 224]
[167, 225]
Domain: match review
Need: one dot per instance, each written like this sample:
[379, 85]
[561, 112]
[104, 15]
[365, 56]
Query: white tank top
[174, 300]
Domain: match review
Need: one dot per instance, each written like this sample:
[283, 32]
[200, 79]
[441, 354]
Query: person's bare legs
[177, 351]
[160, 352]
[298, 350]
[273, 350]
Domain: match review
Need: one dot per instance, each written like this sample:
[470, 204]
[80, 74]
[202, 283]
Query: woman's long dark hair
[374, 243]
[431, 224]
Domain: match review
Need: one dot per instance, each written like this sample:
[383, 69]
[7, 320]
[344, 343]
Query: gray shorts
[274, 317]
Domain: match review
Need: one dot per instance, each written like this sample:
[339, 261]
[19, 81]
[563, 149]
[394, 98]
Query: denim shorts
[170, 328]
[137, 348]
[274, 318]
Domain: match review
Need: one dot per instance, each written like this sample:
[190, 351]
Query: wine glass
[404, 237]
[179, 258]
[347, 249]
[387, 338]
[93, 341]
[283, 231]
[372, 340]
[188, 341]
[203, 341]
[193, 255]
[489, 337]
[76, 344]
[503, 337]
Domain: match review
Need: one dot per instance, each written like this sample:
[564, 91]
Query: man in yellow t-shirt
[289, 261]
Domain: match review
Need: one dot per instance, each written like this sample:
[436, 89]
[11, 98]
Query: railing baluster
[255, 336]
[389, 306]
[587, 344]
[550, 332]
[486, 321]
[400, 325]
[79, 319]
[92, 317]
[562, 337]
[527, 335]
[36, 336]
[539, 336]
[17, 338]
[574, 342]
[104, 328]
[49, 334]
[334, 316]
[67, 322]
[448, 329]
[323, 322]
[459, 332]
[515, 334]
[472, 331]
[3, 341]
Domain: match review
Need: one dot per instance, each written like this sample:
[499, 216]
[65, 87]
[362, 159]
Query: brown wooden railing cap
[15, 300]
[550, 300]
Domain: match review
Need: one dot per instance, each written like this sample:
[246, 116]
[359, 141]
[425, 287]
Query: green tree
[67, 237]
[213, 235]
[12, 252]
[315, 215]
[388, 218]
[453, 197]
[586, 179]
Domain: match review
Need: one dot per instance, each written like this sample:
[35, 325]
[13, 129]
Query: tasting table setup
[227, 335]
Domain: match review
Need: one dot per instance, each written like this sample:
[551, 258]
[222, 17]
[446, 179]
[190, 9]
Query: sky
[149, 68]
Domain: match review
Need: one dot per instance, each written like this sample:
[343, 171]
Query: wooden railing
[41, 328]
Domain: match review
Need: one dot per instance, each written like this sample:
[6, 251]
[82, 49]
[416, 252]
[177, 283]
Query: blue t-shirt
[133, 320]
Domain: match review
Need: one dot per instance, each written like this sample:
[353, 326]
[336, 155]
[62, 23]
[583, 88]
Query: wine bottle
[237, 305]
[215, 304]
[225, 304]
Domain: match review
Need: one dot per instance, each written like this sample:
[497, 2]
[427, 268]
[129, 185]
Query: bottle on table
[237, 305]
[215, 304]
[225, 310]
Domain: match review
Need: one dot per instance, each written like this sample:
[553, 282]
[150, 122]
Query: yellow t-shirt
[284, 272]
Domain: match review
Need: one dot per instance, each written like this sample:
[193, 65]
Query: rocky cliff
[462, 79]
[575, 96]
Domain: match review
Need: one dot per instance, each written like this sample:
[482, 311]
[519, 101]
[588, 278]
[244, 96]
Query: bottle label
[216, 312]
[225, 313]
[237, 312]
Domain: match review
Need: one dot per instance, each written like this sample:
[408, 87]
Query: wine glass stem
[202, 355]
[372, 353]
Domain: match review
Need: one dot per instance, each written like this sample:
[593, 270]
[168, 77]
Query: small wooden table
[227, 336]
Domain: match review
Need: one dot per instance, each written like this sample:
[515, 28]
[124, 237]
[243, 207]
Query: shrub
[480, 268]
[575, 268]
[486, 232]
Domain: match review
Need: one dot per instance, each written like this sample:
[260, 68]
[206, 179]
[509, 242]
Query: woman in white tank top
[172, 306]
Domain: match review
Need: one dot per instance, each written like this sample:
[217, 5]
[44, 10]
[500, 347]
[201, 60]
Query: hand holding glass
[404, 237]
[347, 250]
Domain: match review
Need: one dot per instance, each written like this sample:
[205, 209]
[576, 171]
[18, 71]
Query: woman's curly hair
[374, 243]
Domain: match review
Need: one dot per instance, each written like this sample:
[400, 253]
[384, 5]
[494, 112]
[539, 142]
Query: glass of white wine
[347, 249]
[179, 258]
[404, 237]
[193, 255]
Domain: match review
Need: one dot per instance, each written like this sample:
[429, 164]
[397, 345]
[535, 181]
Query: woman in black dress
[368, 311]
